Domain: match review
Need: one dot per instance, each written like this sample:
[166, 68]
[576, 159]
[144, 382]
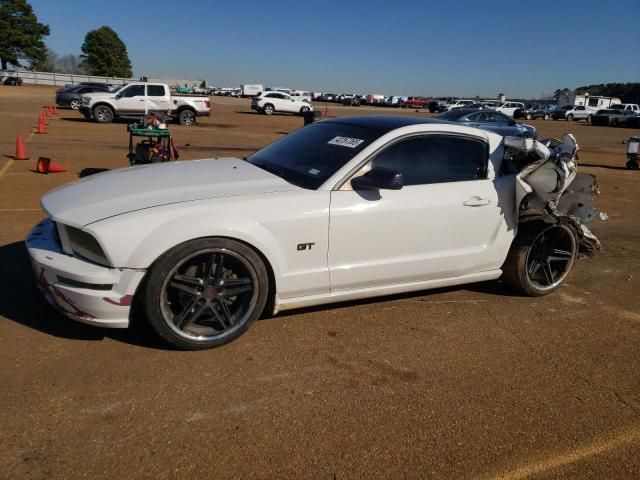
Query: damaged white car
[338, 210]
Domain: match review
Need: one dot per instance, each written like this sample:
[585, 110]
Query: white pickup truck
[134, 99]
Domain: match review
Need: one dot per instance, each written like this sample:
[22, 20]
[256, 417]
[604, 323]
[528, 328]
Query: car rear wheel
[267, 109]
[103, 114]
[74, 104]
[588, 118]
[304, 110]
[528, 116]
[540, 258]
[546, 117]
[205, 293]
[569, 117]
[187, 117]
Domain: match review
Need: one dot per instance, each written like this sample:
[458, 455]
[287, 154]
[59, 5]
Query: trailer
[251, 90]
[592, 102]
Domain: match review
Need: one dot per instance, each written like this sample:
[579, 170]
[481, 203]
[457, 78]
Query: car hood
[120, 191]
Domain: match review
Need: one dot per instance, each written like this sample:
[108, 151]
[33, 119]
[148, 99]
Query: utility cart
[155, 144]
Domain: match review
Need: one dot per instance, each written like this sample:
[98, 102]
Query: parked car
[580, 112]
[13, 81]
[436, 106]
[627, 107]
[351, 100]
[301, 95]
[395, 101]
[560, 113]
[270, 102]
[266, 240]
[633, 121]
[612, 117]
[488, 119]
[131, 100]
[509, 108]
[416, 102]
[459, 104]
[72, 97]
[533, 112]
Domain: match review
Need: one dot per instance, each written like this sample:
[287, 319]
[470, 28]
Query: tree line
[22, 45]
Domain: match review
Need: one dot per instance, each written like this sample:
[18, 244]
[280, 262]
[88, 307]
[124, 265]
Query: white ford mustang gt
[338, 210]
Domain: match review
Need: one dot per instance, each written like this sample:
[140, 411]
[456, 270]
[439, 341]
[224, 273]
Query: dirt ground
[466, 382]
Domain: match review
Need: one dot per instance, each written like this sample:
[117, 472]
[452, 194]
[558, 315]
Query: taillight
[207, 103]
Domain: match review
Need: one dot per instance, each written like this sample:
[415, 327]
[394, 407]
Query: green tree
[103, 53]
[21, 35]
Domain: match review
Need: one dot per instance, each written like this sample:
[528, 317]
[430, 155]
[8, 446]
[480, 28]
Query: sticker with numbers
[345, 142]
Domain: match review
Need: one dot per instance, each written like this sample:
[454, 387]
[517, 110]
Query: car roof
[385, 123]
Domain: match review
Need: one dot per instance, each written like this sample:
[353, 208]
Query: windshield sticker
[314, 171]
[346, 142]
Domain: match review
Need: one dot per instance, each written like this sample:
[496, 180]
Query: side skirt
[283, 304]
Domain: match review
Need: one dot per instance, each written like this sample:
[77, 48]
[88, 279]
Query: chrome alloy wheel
[551, 256]
[209, 294]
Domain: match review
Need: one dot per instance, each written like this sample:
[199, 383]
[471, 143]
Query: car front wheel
[570, 117]
[103, 114]
[205, 293]
[540, 258]
[74, 104]
[267, 109]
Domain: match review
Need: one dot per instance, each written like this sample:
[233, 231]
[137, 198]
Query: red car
[416, 102]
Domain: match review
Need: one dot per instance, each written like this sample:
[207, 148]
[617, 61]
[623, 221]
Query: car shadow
[22, 303]
[85, 172]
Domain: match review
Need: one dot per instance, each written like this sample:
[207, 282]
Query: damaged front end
[548, 185]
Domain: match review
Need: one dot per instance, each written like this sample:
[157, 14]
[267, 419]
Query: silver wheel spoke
[225, 311]
[563, 253]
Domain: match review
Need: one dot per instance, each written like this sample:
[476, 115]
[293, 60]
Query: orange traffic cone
[21, 152]
[43, 165]
[45, 118]
[41, 128]
[55, 168]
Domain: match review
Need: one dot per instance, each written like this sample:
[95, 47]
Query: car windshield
[310, 155]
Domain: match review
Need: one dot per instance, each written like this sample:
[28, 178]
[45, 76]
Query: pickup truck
[131, 100]
[612, 117]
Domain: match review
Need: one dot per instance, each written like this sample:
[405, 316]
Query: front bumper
[86, 111]
[81, 290]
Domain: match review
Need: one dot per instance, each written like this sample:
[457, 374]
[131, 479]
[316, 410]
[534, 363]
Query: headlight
[86, 100]
[85, 245]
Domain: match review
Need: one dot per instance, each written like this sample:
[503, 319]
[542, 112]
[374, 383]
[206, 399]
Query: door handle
[476, 202]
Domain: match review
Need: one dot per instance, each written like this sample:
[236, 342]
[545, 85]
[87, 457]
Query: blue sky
[455, 47]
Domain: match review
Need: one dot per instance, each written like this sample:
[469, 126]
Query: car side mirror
[379, 179]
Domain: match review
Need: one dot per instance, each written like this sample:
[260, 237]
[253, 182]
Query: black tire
[304, 110]
[528, 117]
[546, 117]
[74, 104]
[268, 109]
[588, 118]
[192, 279]
[570, 118]
[187, 117]
[103, 114]
[521, 269]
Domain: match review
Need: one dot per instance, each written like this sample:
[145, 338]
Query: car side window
[155, 90]
[133, 91]
[435, 159]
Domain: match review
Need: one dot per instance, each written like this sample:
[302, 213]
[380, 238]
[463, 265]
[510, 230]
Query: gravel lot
[468, 382]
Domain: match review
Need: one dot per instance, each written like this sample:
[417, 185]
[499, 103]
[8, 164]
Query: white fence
[46, 78]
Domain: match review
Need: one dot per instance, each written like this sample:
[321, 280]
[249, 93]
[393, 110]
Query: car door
[157, 99]
[446, 221]
[288, 103]
[131, 99]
